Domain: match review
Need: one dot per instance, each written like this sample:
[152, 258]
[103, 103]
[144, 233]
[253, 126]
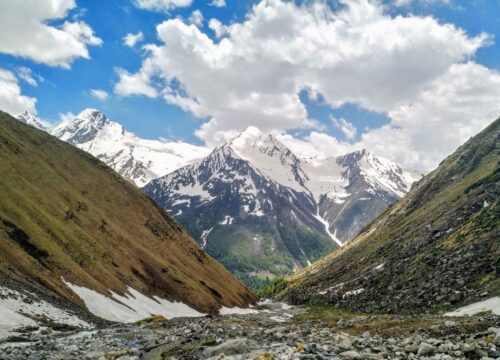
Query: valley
[249, 180]
[272, 331]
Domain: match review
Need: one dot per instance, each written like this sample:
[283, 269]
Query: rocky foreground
[275, 331]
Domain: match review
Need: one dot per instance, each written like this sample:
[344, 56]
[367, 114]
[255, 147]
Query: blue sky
[62, 90]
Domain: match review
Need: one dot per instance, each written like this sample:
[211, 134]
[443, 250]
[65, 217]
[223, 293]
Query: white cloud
[99, 94]
[134, 84]
[347, 128]
[161, 5]
[11, 99]
[65, 117]
[356, 54]
[196, 18]
[25, 74]
[25, 31]
[218, 3]
[217, 27]
[401, 3]
[131, 40]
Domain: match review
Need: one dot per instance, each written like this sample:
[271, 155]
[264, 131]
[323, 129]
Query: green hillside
[63, 213]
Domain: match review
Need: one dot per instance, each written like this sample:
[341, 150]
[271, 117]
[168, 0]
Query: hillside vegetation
[436, 248]
[64, 214]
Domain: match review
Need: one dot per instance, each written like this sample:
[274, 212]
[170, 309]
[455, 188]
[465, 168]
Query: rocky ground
[276, 331]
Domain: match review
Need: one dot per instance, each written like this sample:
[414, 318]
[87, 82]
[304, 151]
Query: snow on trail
[327, 228]
[491, 304]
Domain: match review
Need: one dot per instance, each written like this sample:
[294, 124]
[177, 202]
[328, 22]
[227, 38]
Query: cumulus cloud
[26, 31]
[11, 99]
[218, 3]
[218, 28]
[254, 72]
[131, 40]
[99, 94]
[196, 18]
[161, 5]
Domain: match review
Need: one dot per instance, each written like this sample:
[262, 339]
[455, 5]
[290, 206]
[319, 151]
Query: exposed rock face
[437, 247]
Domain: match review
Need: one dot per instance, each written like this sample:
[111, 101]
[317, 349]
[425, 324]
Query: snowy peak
[31, 119]
[93, 117]
[378, 172]
[84, 127]
[270, 157]
[136, 159]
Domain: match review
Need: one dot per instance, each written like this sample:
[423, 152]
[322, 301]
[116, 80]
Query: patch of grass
[276, 286]
[355, 323]
[153, 320]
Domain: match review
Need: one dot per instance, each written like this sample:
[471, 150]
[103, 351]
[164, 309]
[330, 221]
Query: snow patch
[131, 307]
[228, 220]
[327, 228]
[353, 293]
[14, 306]
[204, 237]
[491, 304]
[236, 311]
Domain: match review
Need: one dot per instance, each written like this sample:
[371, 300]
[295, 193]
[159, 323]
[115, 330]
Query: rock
[231, 347]
[412, 349]
[426, 350]
[351, 354]
[345, 344]
[449, 323]
[72, 348]
[496, 341]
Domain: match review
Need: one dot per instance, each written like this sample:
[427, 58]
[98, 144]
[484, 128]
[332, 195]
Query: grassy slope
[440, 231]
[64, 213]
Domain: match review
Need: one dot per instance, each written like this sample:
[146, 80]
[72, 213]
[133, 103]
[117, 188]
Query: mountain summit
[136, 159]
[263, 211]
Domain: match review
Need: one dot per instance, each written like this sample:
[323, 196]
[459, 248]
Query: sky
[410, 80]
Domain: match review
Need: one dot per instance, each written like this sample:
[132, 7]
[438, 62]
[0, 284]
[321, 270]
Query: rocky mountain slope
[136, 159]
[75, 236]
[436, 248]
[262, 211]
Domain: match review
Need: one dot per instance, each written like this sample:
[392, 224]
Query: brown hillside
[64, 213]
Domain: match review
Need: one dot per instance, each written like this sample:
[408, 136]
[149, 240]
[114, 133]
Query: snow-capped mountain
[136, 159]
[31, 119]
[261, 210]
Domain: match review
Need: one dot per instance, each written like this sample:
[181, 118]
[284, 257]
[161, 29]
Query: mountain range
[262, 211]
[78, 242]
[136, 159]
[251, 203]
[435, 249]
